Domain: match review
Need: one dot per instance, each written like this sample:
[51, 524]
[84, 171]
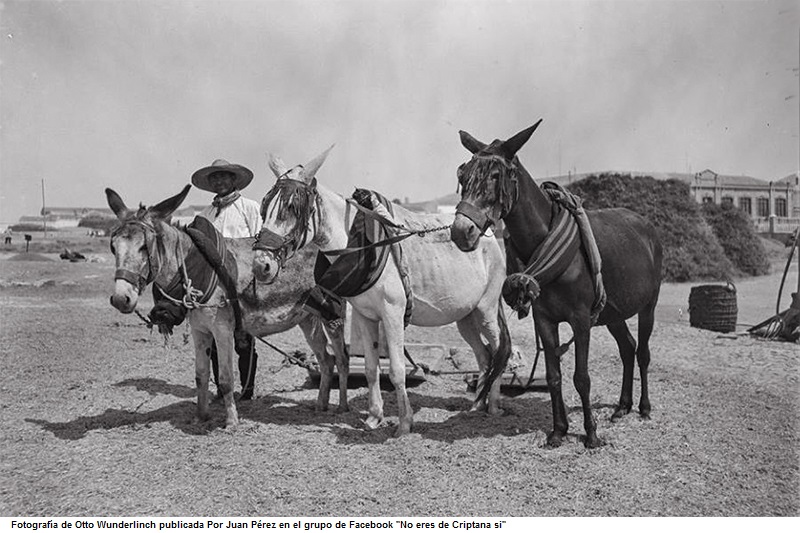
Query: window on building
[727, 200]
[762, 207]
[708, 200]
[746, 205]
[780, 207]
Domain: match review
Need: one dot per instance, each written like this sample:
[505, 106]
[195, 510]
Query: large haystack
[691, 250]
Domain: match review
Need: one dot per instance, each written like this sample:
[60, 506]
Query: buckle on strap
[134, 278]
[477, 216]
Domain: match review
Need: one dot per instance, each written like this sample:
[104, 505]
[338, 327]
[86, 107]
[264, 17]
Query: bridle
[473, 178]
[139, 279]
[303, 200]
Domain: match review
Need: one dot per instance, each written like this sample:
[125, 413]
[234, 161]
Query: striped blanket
[569, 231]
[353, 273]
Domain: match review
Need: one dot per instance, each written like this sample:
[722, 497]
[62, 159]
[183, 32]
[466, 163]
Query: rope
[385, 221]
[291, 359]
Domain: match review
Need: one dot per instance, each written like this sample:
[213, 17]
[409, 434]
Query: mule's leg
[548, 333]
[627, 351]
[336, 335]
[317, 341]
[223, 336]
[367, 331]
[646, 321]
[245, 348]
[394, 333]
[470, 328]
[582, 381]
[202, 357]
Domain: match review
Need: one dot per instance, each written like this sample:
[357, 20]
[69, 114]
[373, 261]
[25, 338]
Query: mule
[148, 249]
[446, 285]
[495, 185]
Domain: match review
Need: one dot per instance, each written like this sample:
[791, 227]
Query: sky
[137, 95]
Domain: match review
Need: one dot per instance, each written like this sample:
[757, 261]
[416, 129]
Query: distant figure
[73, 257]
[8, 234]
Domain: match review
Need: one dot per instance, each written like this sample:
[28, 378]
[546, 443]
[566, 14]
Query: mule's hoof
[644, 415]
[402, 430]
[245, 396]
[373, 422]
[554, 440]
[343, 409]
[495, 411]
[477, 407]
[619, 412]
[593, 442]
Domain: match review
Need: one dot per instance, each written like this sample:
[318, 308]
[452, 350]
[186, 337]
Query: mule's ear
[471, 143]
[164, 209]
[512, 145]
[310, 169]
[277, 165]
[116, 204]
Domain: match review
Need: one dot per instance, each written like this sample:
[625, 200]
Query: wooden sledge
[416, 372]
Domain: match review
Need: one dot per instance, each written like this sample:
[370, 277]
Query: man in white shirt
[234, 216]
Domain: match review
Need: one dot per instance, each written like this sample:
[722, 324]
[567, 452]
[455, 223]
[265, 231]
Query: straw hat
[243, 175]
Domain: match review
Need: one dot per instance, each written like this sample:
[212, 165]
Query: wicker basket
[713, 307]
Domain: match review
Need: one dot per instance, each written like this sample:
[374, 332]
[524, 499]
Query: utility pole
[44, 212]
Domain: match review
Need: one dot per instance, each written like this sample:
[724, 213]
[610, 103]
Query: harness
[568, 233]
[303, 200]
[193, 284]
[356, 267]
[139, 279]
[506, 191]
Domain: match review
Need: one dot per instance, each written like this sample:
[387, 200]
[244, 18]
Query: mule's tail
[498, 361]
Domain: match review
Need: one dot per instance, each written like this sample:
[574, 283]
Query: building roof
[791, 179]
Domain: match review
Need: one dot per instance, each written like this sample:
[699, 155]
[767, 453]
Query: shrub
[27, 226]
[736, 235]
[99, 223]
[691, 251]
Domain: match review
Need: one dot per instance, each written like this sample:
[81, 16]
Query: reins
[285, 247]
[191, 296]
[406, 232]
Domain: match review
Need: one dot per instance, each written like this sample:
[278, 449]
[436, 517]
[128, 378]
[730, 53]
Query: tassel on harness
[569, 230]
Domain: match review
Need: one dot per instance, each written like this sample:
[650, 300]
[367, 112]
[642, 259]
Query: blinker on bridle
[285, 188]
[475, 183]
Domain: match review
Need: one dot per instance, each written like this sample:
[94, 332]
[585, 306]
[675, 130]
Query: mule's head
[488, 184]
[289, 213]
[134, 244]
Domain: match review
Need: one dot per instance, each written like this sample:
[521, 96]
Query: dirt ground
[97, 420]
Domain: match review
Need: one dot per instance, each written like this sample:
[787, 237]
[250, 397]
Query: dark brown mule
[495, 185]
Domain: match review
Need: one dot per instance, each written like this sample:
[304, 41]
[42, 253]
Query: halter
[138, 279]
[192, 297]
[473, 179]
[302, 200]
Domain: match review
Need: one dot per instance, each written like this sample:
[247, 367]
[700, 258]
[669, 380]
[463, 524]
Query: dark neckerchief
[221, 202]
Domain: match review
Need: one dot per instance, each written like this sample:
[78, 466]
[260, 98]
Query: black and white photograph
[399, 264]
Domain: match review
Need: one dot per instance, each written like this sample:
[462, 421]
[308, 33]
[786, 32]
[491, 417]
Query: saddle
[207, 264]
[353, 273]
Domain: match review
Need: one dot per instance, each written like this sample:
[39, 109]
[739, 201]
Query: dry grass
[97, 419]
